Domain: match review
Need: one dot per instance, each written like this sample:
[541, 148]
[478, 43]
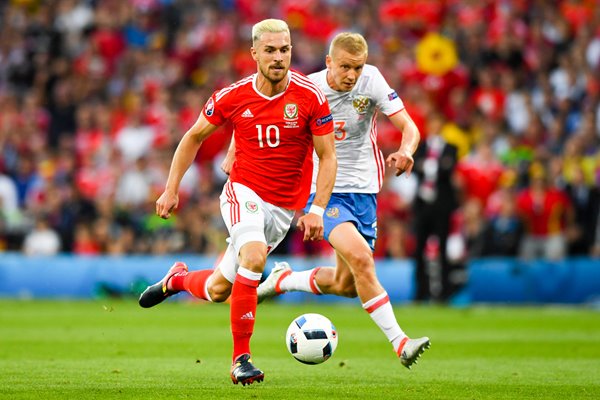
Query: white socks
[301, 281]
[380, 310]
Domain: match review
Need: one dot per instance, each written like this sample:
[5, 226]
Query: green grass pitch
[112, 349]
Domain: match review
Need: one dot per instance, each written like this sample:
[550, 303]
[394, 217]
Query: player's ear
[328, 61]
[253, 52]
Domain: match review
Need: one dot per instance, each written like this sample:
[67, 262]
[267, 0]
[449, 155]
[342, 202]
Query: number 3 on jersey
[340, 132]
[271, 135]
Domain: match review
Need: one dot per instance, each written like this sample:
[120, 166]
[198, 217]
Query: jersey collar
[288, 77]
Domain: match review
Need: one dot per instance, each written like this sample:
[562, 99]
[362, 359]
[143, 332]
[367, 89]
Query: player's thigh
[228, 264]
[277, 224]
[255, 227]
[351, 247]
[244, 215]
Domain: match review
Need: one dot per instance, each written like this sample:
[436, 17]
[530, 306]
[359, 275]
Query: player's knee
[363, 269]
[219, 292]
[362, 262]
[348, 291]
[254, 261]
[346, 288]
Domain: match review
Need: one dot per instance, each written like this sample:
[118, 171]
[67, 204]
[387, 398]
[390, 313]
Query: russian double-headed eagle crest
[361, 104]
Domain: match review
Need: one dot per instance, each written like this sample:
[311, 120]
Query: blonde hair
[268, 25]
[353, 43]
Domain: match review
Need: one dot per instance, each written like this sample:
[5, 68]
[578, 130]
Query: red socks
[193, 282]
[243, 309]
[243, 301]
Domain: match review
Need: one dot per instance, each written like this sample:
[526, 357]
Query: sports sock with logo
[243, 309]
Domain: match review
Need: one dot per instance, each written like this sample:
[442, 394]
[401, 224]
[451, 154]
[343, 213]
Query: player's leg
[246, 229]
[337, 280]
[348, 231]
[356, 255]
[243, 311]
[255, 229]
[422, 233]
[243, 295]
[208, 284]
[318, 280]
[218, 286]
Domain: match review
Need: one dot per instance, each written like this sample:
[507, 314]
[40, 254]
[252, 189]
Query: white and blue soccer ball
[311, 338]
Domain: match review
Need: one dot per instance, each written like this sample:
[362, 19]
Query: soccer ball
[311, 338]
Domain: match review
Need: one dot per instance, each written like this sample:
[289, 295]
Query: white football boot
[270, 287]
[412, 349]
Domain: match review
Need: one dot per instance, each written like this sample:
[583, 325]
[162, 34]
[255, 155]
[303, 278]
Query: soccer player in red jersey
[278, 116]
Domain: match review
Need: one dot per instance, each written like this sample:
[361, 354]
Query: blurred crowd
[95, 95]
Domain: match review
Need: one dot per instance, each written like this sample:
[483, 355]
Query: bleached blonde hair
[353, 43]
[268, 25]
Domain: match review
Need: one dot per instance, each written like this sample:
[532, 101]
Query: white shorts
[249, 219]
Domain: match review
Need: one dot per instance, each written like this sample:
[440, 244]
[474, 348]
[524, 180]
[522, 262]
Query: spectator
[504, 231]
[546, 213]
[42, 240]
[435, 162]
[93, 75]
[585, 200]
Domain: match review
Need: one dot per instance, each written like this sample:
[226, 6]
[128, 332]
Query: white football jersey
[361, 164]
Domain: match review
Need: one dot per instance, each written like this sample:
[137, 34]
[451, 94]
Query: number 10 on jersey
[271, 135]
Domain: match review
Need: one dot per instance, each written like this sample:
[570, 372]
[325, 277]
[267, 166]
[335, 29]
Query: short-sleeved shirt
[361, 164]
[273, 135]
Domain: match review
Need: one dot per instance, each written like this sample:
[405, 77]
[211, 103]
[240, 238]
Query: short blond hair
[353, 43]
[268, 25]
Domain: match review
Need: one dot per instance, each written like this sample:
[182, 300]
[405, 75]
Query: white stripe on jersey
[321, 101]
[307, 83]
[229, 88]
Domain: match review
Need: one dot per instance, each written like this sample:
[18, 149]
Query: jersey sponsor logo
[247, 114]
[252, 207]
[324, 120]
[209, 108]
[361, 104]
[290, 111]
[333, 212]
[392, 96]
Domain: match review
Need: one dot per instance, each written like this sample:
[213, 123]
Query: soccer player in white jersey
[356, 91]
[279, 116]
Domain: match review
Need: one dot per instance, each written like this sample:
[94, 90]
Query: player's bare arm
[312, 223]
[402, 159]
[182, 159]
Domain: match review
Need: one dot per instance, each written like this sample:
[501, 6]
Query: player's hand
[402, 161]
[312, 226]
[166, 203]
[227, 162]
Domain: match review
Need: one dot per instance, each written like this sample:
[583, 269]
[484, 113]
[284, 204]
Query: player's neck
[269, 88]
[330, 81]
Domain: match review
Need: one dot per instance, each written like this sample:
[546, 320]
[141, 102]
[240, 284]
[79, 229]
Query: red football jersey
[273, 135]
